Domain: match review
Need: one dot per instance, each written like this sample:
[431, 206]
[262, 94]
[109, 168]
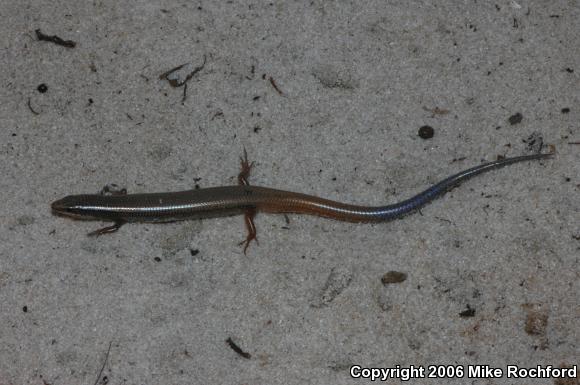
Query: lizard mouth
[64, 208]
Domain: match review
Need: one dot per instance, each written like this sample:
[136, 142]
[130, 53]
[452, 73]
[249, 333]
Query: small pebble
[393, 277]
[426, 132]
[515, 118]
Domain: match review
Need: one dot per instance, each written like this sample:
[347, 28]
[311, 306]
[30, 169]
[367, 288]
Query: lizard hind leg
[246, 167]
[250, 213]
[251, 227]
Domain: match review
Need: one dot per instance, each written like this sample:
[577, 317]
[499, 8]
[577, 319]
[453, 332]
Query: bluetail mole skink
[120, 207]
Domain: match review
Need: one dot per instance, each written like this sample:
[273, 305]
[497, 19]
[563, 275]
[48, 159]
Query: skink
[120, 207]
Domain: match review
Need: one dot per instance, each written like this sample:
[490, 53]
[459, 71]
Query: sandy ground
[327, 97]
